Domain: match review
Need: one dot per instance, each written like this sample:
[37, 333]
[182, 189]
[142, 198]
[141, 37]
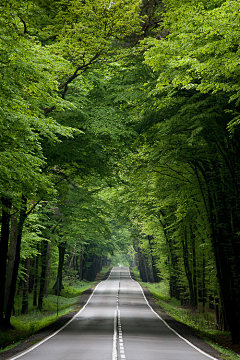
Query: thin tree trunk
[43, 274]
[187, 268]
[71, 258]
[81, 263]
[23, 215]
[61, 251]
[47, 269]
[153, 262]
[35, 279]
[26, 287]
[203, 282]
[11, 258]
[194, 267]
[6, 208]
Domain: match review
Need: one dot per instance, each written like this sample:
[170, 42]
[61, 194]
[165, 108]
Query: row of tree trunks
[6, 215]
[11, 257]
[44, 265]
[35, 278]
[92, 264]
[10, 303]
[155, 275]
[26, 287]
[225, 242]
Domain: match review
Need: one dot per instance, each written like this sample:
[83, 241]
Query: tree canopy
[120, 133]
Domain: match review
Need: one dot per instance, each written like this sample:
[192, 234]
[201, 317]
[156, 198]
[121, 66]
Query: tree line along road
[117, 323]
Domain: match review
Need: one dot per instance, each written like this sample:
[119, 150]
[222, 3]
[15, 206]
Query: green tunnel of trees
[119, 131]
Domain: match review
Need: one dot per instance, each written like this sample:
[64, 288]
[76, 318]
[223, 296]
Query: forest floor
[218, 346]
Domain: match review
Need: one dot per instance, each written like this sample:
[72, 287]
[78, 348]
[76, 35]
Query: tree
[189, 64]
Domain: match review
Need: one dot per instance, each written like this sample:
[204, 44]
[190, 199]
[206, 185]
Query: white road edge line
[175, 332]
[56, 332]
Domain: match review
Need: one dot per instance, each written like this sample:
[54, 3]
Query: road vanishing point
[117, 323]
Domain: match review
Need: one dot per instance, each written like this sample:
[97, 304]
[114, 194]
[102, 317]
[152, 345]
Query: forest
[120, 134]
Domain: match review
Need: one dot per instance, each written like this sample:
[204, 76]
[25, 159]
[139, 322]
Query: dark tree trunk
[26, 287]
[10, 304]
[187, 268]
[47, 269]
[6, 208]
[71, 258]
[225, 243]
[194, 268]
[35, 279]
[203, 282]
[173, 281]
[156, 277]
[43, 273]
[143, 267]
[11, 258]
[61, 253]
[81, 262]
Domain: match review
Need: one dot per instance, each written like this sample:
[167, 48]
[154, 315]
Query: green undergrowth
[135, 274]
[197, 319]
[202, 322]
[31, 323]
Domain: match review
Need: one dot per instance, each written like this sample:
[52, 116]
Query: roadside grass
[202, 322]
[135, 272]
[26, 325]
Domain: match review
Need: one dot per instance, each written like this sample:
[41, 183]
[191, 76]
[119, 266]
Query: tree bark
[188, 271]
[61, 252]
[26, 287]
[43, 274]
[81, 262]
[225, 243]
[48, 264]
[11, 258]
[6, 208]
[35, 279]
[23, 215]
[71, 258]
[155, 275]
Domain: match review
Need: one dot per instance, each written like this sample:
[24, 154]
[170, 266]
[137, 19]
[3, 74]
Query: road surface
[117, 323]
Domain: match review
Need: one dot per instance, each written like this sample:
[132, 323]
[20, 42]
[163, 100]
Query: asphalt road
[117, 323]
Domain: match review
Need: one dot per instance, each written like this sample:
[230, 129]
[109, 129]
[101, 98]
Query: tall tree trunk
[71, 258]
[61, 252]
[203, 282]
[26, 287]
[11, 257]
[47, 269]
[225, 245]
[43, 274]
[187, 268]
[6, 208]
[23, 215]
[173, 260]
[194, 267]
[81, 262]
[35, 278]
[155, 275]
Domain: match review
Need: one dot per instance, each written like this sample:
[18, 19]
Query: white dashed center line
[118, 342]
